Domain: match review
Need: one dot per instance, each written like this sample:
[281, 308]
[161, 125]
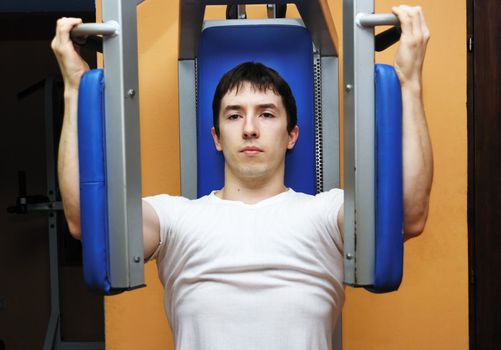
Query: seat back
[285, 48]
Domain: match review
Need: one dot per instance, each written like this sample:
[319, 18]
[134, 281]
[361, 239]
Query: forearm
[68, 167]
[417, 160]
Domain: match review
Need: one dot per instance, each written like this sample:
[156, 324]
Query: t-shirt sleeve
[333, 200]
[165, 207]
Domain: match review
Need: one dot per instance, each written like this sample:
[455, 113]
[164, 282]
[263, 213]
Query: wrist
[412, 87]
[70, 92]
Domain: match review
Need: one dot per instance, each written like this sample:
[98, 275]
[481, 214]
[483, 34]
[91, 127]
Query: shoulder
[325, 204]
[176, 203]
[333, 196]
[332, 201]
[165, 198]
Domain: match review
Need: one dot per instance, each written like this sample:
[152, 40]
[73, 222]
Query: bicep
[151, 230]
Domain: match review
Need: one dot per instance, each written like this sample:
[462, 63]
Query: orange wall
[431, 308]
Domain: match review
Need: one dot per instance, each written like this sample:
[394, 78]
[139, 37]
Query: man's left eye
[267, 115]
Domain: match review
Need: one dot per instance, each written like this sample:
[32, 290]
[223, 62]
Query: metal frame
[53, 339]
[314, 13]
[119, 30]
[359, 129]
[188, 127]
[330, 122]
[123, 162]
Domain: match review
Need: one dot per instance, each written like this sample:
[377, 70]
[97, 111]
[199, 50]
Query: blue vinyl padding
[93, 193]
[389, 181]
[285, 48]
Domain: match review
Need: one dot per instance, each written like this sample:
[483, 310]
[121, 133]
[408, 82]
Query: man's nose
[251, 129]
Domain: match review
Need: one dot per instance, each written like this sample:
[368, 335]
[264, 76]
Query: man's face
[253, 133]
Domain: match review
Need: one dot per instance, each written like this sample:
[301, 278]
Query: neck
[251, 190]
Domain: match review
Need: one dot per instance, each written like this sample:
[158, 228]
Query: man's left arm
[417, 153]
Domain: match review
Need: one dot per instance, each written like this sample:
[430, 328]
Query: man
[254, 264]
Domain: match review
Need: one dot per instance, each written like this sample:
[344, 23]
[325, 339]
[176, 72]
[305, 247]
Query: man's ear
[217, 142]
[293, 135]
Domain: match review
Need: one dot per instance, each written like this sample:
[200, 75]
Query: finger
[405, 21]
[416, 22]
[414, 19]
[424, 26]
[64, 26]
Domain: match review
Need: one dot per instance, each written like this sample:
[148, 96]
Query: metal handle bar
[86, 29]
[377, 19]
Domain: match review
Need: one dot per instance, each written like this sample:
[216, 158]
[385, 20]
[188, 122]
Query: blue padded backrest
[93, 195]
[389, 182]
[285, 48]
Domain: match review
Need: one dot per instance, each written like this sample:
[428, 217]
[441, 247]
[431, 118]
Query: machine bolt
[348, 87]
[131, 93]
[349, 256]
[137, 259]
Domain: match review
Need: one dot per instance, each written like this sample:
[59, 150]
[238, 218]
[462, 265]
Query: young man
[254, 264]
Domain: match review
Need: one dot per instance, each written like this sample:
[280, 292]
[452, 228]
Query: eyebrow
[232, 108]
[267, 106]
[260, 106]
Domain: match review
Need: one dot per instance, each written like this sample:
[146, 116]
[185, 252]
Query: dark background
[26, 29]
[484, 172]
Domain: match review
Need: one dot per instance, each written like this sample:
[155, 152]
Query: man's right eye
[233, 116]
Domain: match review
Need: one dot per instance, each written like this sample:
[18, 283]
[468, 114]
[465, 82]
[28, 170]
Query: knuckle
[405, 20]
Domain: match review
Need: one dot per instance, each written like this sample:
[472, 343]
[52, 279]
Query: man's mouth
[251, 150]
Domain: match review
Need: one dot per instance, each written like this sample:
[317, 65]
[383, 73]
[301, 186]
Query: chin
[255, 171]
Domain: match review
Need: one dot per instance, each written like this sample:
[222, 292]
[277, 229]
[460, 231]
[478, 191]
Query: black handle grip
[92, 42]
[387, 38]
[280, 11]
[232, 12]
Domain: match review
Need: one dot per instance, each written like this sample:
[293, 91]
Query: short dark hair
[261, 78]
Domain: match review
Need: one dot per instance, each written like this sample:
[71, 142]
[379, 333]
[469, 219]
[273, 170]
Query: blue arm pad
[93, 194]
[389, 182]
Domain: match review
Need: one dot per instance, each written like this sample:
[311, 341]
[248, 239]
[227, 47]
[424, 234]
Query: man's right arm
[72, 68]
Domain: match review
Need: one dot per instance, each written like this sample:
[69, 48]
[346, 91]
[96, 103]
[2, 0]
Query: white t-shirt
[251, 276]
